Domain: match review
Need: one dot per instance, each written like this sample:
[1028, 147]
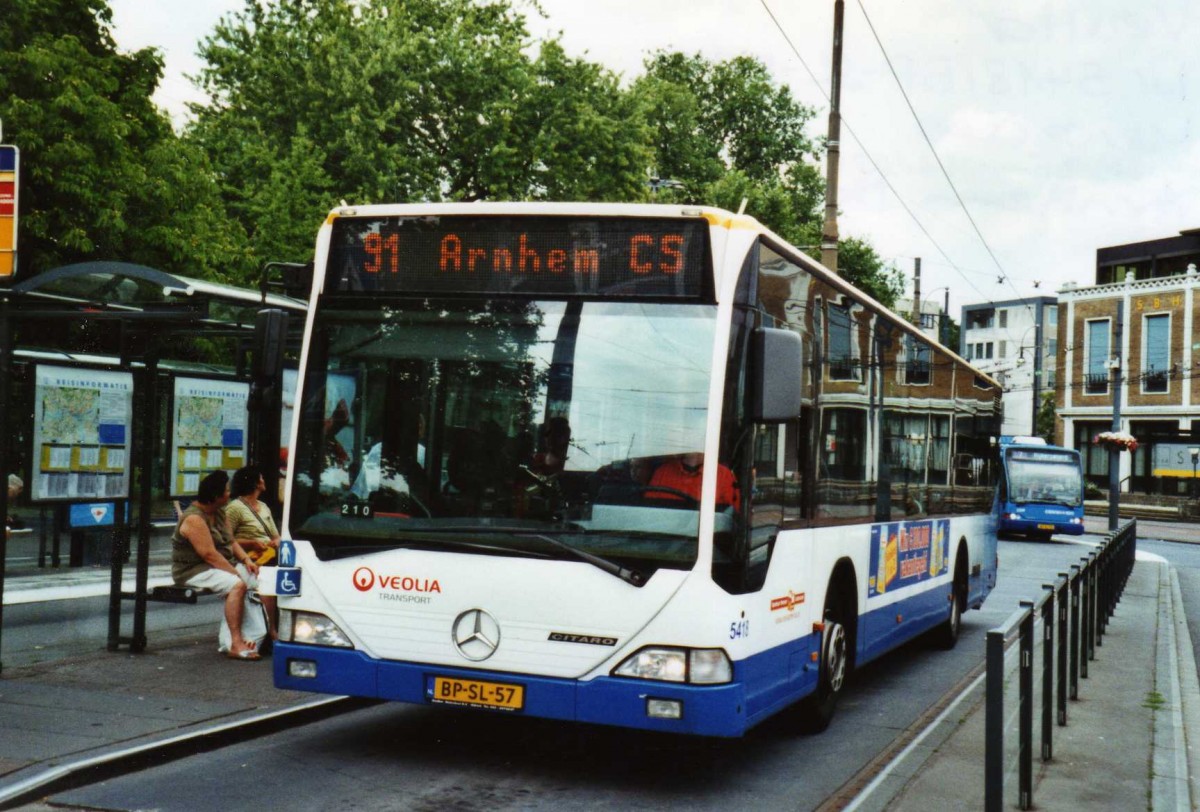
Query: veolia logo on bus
[365, 579]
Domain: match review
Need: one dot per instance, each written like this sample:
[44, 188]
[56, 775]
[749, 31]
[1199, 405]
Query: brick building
[1153, 287]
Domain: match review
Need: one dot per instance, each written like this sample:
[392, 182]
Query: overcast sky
[1065, 125]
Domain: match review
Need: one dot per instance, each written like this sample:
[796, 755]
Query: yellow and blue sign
[10, 162]
[907, 553]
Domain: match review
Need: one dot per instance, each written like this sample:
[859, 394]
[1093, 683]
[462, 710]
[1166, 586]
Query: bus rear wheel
[947, 633]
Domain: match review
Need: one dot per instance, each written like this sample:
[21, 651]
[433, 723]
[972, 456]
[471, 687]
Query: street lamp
[941, 317]
[1195, 452]
[1036, 350]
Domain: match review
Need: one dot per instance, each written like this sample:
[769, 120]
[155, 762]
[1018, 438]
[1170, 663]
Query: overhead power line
[925, 135]
[887, 182]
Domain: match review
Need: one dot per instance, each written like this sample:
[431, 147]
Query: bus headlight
[311, 629]
[699, 666]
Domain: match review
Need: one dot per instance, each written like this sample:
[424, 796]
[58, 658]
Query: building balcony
[1095, 384]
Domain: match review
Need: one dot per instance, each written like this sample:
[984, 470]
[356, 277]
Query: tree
[103, 175]
[862, 266]
[314, 101]
[728, 132]
[1046, 417]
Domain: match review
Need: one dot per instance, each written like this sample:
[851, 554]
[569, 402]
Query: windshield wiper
[611, 567]
[463, 544]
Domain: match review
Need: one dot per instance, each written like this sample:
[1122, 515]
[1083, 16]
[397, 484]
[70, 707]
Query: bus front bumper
[1033, 526]
[706, 710]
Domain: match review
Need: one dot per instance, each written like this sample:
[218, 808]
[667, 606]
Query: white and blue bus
[1041, 488]
[638, 465]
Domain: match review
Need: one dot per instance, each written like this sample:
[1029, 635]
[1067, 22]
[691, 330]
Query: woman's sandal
[244, 654]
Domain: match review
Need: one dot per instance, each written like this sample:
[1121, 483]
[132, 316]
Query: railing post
[1091, 606]
[1063, 589]
[1048, 673]
[1075, 642]
[993, 745]
[1085, 647]
[1025, 753]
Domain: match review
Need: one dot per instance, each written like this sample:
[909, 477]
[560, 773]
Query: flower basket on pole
[1116, 441]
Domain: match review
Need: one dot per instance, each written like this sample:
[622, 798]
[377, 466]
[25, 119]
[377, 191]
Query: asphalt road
[422, 758]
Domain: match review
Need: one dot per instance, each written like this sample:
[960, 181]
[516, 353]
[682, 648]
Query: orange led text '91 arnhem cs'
[647, 254]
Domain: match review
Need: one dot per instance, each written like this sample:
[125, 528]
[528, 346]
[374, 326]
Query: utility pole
[916, 311]
[1114, 455]
[1037, 369]
[829, 232]
[943, 324]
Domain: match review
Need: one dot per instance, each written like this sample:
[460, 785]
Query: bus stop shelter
[116, 335]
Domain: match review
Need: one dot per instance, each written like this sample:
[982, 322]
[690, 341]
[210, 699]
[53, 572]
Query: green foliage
[310, 102]
[315, 101]
[102, 174]
[1045, 417]
[861, 265]
[727, 132]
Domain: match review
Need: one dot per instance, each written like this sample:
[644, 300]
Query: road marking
[890, 767]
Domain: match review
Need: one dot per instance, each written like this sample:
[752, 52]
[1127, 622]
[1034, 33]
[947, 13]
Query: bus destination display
[1040, 456]
[554, 256]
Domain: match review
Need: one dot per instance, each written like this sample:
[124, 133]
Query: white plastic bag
[254, 624]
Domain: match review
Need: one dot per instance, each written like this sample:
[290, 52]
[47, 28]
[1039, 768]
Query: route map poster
[208, 431]
[81, 433]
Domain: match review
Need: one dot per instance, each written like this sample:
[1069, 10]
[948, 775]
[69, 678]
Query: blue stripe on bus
[764, 683]
[710, 710]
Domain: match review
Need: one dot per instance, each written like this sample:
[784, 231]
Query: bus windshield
[1045, 478]
[502, 426]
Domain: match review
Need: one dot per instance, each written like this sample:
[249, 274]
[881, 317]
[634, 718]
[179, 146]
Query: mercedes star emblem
[476, 634]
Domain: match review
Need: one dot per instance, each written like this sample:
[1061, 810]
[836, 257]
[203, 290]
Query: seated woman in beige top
[252, 525]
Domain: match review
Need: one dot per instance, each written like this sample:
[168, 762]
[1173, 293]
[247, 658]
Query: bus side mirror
[270, 343]
[778, 374]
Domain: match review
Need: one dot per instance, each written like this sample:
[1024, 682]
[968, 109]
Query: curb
[1189, 685]
[1169, 785]
[35, 780]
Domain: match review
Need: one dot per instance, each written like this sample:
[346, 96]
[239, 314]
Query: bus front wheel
[816, 711]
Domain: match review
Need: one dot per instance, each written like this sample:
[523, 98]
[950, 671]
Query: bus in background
[1041, 488]
[638, 465]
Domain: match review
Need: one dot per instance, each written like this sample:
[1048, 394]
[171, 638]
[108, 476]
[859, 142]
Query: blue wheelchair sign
[287, 582]
[287, 554]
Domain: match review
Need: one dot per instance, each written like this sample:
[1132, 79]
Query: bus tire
[833, 665]
[946, 635]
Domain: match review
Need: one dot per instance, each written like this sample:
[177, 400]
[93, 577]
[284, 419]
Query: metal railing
[1074, 613]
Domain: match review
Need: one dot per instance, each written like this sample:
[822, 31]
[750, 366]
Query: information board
[208, 431]
[81, 433]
